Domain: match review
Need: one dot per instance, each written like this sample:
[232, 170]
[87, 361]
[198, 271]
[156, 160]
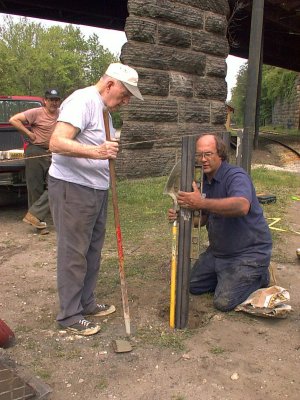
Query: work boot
[34, 221]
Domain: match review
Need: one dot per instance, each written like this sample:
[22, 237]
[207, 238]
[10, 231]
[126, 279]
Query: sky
[114, 40]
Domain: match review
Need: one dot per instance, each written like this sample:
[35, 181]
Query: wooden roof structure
[281, 31]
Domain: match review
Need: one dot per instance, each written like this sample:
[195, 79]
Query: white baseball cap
[127, 75]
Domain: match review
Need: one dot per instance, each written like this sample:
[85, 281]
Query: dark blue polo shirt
[248, 236]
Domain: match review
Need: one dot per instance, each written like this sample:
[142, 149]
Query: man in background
[37, 125]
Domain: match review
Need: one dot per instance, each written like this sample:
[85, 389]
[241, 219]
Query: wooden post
[258, 99]
[252, 82]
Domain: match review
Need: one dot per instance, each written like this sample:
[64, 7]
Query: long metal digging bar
[112, 172]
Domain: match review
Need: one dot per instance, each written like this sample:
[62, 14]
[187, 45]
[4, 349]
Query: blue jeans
[231, 279]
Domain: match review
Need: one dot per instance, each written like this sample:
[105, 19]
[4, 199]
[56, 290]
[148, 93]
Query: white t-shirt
[84, 110]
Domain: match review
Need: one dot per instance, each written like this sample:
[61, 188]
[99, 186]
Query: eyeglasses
[207, 155]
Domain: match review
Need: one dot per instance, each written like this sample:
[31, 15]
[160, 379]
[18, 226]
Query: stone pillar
[179, 50]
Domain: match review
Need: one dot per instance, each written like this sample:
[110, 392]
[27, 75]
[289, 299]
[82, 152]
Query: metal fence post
[184, 237]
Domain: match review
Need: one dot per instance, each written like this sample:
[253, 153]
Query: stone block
[169, 11]
[216, 66]
[154, 82]
[146, 162]
[218, 113]
[208, 43]
[181, 85]
[151, 110]
[163, 58]
[171, 36]
[216, 24]
[143, 135]
[216, 6]
[140, 30]
[195, 111]
[210, 88]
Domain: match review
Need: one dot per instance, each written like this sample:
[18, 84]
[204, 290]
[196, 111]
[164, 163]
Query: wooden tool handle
[118, 230]
[106, 124]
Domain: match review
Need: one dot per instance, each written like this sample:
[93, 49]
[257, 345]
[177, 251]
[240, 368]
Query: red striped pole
[112, 172]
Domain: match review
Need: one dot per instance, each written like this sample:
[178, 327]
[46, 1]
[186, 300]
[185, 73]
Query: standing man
[78, 192]
[236, 262]
[42, 121]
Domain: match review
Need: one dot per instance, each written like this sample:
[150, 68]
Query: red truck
[12, 165]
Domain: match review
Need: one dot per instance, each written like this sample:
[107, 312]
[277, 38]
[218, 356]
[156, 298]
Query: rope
[123, 146]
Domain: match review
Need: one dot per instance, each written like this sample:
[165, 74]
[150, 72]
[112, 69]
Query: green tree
[34, 58]
[97, 59]
[276, 83]
[239, 95]
[17, 61]
[62, 61]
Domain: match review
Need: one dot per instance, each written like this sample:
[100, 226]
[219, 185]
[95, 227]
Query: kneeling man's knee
[194, 290]
[224, 304]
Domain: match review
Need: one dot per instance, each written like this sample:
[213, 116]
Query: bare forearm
[63, 141]
[21, 128]
[72, 148]
[228, 207]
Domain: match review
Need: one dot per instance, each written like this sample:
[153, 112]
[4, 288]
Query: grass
[142, 208]
[31, 344]
[280, 130]
[42, 373]
[145, 231]
[280, 183]
[217, 350]
[275, 129]
[165, 339]
[101, 384]
[61, 351]
[22, 329]
[283, 185]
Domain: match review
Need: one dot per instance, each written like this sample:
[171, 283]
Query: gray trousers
[79, 216]
[36, 170]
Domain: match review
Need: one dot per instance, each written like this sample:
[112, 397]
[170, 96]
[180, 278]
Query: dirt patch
[198, 363]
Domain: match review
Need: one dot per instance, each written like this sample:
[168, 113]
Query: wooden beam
[252, 82]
